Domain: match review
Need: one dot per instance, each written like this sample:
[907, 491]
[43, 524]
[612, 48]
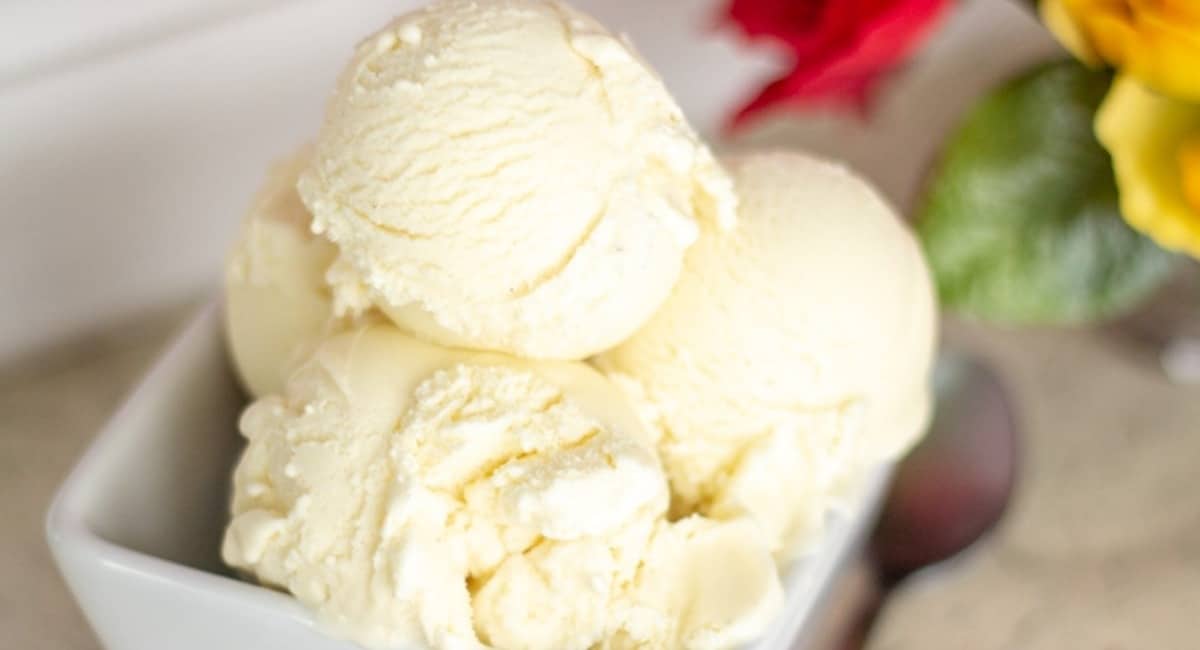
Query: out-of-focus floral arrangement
[840, 49]
[1066, 193]
[1150, 119]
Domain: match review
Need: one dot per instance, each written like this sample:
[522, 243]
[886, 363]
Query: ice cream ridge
[532, 370]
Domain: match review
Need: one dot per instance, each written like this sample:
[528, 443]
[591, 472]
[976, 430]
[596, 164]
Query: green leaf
[1020, 221]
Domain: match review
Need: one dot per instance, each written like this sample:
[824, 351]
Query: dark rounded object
[955, 485]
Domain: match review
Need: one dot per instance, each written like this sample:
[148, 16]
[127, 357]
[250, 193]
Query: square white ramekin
[137, 525]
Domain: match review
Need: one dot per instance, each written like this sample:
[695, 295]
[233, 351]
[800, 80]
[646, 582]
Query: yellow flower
[1157, 41]
[1155, 145]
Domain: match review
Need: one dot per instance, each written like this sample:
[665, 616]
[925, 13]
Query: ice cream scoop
[418, 496]
[794, 351]
[277, 303]
[509, 176]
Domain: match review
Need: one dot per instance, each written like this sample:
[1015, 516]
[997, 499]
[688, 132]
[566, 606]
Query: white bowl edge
[137, 599]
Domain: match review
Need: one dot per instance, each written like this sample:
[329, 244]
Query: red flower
[841, 47]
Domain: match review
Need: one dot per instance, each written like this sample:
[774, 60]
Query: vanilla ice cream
[715, 579]
[794, 351]
[509, 176]
[419, 496]
[277, 304]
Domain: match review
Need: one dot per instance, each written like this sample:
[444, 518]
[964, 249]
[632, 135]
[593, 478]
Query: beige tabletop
[1100, 550]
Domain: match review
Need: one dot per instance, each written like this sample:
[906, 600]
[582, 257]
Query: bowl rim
[67, 527]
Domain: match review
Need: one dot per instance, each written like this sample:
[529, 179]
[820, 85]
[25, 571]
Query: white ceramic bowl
[137, 525]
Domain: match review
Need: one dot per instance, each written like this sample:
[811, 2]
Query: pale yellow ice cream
[794, 351]
[509, 176]
[277, 303]
[417, 496]
[716, 579]
[694, 584]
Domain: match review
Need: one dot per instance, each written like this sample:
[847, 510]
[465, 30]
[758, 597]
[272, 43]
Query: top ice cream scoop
[509, 176]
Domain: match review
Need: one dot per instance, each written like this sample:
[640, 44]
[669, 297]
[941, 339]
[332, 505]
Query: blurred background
[134, 131]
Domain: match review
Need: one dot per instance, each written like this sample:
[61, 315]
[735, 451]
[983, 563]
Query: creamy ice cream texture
[509, 176]
[417, 496]
[277, 303]
[794, 351]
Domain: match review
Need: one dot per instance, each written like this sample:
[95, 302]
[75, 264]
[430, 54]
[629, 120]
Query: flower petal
[1143, 131]
[840, 59]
